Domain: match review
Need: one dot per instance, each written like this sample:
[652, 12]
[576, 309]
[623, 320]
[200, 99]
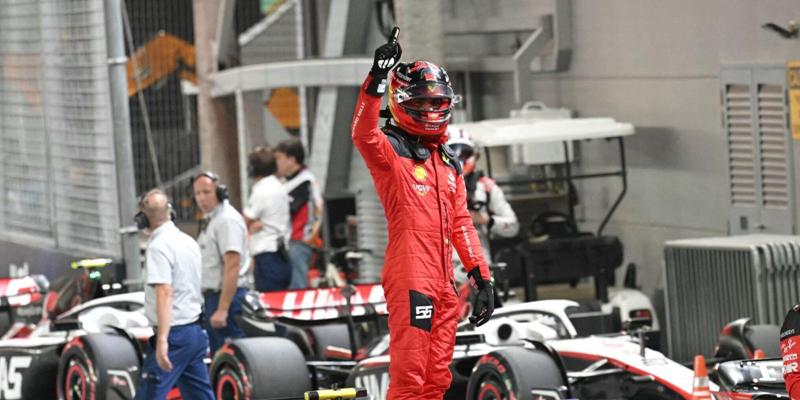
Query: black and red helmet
[421, 98]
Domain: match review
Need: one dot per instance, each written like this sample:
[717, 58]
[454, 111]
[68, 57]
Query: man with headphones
[173, 305]
[267, 217]
[226, 260]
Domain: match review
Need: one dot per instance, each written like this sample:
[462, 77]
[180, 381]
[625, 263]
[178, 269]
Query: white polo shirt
[173, 258]
[269, 204]
[225, 232]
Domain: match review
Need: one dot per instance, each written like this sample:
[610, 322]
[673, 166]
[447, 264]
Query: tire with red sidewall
[512, 373]
[259, 368]
[98, 367]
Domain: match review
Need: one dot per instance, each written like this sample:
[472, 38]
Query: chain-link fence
[162, 90]
[58, 181]
[57, 172]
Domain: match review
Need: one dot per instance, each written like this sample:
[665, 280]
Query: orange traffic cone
[759, 355]
[700, 390]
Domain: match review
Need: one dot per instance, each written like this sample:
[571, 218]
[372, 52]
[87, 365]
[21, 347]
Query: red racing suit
[790, 350]
[425, 203]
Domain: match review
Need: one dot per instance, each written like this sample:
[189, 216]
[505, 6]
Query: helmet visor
[463, 151]
[429, 96]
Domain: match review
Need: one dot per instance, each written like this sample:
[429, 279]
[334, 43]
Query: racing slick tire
[259, 368]
[512, 373]
[98, 367]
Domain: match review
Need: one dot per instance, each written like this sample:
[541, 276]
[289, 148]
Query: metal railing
[713, 281]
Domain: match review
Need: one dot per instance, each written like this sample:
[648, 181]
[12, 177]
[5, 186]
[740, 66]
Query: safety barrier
[712, 281]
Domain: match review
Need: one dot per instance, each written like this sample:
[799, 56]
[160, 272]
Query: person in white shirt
[267, 218]
[223, 246]
[172, 303]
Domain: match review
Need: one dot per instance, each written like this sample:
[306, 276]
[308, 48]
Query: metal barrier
[58, 183]
[712, 281]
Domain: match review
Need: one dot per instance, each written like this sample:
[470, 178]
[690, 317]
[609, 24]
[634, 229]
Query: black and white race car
[92, 351]
[338, 337]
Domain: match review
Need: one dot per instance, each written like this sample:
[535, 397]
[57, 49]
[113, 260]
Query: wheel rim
[76, 383]
[229, 386]
[492, 389]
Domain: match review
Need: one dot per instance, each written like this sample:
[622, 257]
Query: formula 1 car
[71, 339]
[336, 336]
[529, 350]
[91, 351]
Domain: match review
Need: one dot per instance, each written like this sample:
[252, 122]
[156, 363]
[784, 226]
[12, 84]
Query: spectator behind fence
[173, 306]
[305, 207]
[267, 217]
[223, 246]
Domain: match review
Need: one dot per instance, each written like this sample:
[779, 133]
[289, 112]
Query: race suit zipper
[441, 226]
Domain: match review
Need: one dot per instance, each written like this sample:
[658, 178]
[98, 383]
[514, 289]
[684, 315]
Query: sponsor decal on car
[316, 304]
[11, 376]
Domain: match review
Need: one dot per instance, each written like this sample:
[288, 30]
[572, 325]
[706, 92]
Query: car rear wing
[314, 306]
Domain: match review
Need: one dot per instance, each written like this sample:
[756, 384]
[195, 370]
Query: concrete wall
[656, 64]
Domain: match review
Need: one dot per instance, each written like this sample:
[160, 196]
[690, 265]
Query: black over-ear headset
[222, 190]
[141, 219]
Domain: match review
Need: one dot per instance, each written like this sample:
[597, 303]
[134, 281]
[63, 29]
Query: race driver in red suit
[790, 350]
[419, 183]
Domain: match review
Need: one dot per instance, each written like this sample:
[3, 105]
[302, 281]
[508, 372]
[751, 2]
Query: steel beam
[522, 63]
[123, 150]
[320, 72]
[325, 115]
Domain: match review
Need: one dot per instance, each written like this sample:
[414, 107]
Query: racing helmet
[421, 98]
[466, 149]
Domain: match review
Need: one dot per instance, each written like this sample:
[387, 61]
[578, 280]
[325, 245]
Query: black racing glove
[483, 307]
[386, 57]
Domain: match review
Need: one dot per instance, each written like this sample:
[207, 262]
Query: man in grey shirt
[173, 306]
[223, 245]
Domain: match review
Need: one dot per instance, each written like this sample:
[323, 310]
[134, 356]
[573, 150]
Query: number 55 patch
[421, 310]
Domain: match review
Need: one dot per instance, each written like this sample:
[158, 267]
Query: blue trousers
[272, 272]
[187, 348]
[217, 337]
[299, 255]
